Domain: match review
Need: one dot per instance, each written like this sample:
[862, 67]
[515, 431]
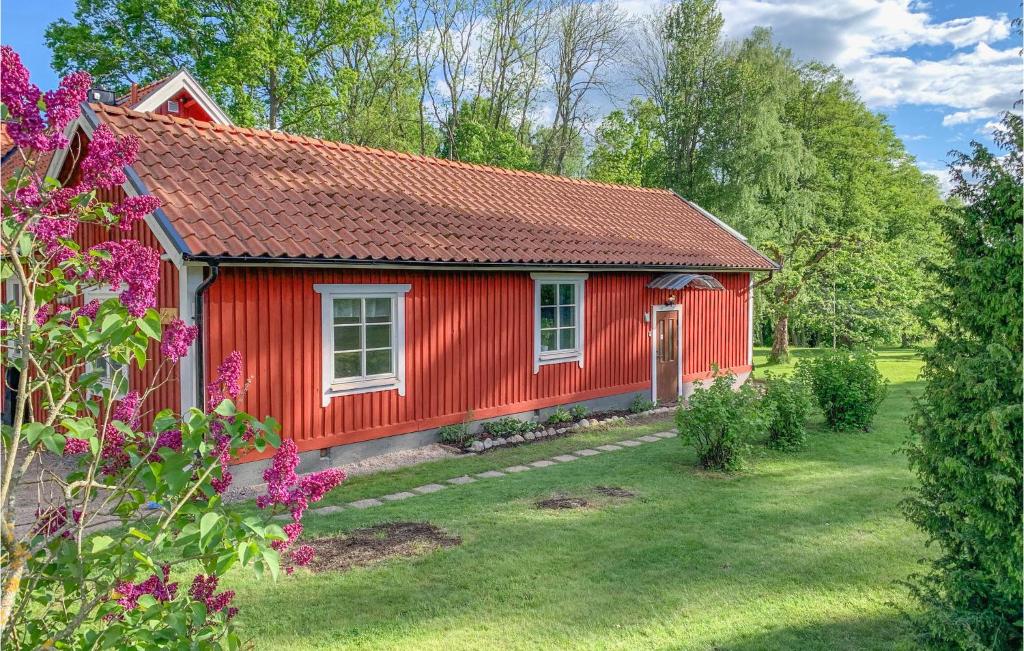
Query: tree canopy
[781, 149]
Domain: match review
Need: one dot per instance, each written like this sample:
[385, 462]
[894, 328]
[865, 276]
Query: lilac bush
[124, 515]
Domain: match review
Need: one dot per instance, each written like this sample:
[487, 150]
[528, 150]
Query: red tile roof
[12, 159]
[236, 192]
[142, 92]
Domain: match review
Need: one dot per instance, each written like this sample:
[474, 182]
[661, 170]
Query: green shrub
[507, 426]
[640, 404]
[967, 430]
[579, 412]
[785, 406]
[718, 422]
[457, 434]
[560, 416]
[846, 385]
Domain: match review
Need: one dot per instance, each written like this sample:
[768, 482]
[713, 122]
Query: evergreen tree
[967, 454]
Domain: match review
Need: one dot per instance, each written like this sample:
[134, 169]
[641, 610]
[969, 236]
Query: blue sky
[941, 71]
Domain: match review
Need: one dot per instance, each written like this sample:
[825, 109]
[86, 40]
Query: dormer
[178, 95]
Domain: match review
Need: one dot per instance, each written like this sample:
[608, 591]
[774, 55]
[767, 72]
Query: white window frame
[576, 354]
[102, 295]
[388, 382]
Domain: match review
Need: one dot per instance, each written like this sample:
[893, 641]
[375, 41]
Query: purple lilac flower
[177, 339]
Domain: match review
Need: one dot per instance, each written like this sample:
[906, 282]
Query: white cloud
[942, 174]
[874, 42]
[978, 90]
[847, 31]
[910, 137]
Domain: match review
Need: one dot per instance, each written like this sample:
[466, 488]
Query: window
[363, 338]
[558, 319]
[113, 374]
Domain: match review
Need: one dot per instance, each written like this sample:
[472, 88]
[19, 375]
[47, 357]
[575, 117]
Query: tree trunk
[780, 341]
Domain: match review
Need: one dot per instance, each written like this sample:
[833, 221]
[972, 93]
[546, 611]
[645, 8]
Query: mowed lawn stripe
[800, 550]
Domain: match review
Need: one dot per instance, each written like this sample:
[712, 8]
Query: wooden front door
[667, 355]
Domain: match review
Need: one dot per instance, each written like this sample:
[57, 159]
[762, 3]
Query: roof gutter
[198, 318]
[457, 266]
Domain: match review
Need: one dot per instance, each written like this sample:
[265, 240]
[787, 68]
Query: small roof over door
[679, 281]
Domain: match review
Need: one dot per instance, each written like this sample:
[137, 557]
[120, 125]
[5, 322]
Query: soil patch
[613, 491]
[378, 543]
[563, 503]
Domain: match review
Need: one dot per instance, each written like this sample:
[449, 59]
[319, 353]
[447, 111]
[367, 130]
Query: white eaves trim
[182, 80]
[57, 162]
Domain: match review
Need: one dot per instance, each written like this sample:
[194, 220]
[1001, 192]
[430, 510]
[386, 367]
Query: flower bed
[531, 431]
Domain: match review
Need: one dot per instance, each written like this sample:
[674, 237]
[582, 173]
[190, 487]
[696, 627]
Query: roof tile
[236, 192]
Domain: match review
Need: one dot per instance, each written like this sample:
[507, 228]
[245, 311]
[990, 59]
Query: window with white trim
[113, 374]
[363, 338]
[558, 319]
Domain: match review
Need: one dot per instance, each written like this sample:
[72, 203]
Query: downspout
[198, 318]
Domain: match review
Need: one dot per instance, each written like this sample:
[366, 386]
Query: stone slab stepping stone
[394, 497]
[565, 458]
[648, 438]
[586, 453]
[429, 488]
[609, 447]
[365, 504]
[328, 510]
[665, 435]
[630, 443]
[518, 469]
[465, 479]
[489, 474]
[282, 516]
[543, 463]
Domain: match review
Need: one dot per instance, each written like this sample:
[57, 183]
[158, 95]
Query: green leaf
[226, 408]
[139, 534]
[99, 543]
[272, 561]
[150, 324]
[34, 432]
[54, 442]
[206, 526]
[175, 472]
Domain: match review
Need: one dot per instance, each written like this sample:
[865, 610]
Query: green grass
[798, 551]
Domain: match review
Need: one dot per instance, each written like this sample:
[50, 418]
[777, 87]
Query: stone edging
[480, 445]
[427, 489]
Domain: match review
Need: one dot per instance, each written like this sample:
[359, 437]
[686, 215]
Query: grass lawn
[799, 551]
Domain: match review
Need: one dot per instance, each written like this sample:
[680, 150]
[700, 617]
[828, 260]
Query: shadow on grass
[890, 631]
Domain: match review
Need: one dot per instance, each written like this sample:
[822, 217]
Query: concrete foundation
[251, 474]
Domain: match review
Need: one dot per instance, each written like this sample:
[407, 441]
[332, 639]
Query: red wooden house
[377, 296]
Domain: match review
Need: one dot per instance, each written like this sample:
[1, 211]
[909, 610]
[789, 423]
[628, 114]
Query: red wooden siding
[167, 395]
[469, 346]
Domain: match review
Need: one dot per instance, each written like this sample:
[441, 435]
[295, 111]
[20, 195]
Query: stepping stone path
[328, 510]
[490, 474]
[426, 489]
[429, 488]
[365, 504]
[394, 497]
